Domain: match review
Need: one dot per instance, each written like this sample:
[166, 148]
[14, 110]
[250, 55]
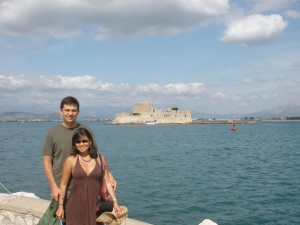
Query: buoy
[233, 127]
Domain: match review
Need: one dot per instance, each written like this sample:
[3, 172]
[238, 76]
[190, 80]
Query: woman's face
[83, 144]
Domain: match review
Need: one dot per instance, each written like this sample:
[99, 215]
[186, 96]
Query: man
[58, 145]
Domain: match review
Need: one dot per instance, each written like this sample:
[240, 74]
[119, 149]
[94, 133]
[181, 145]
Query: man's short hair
[69, 101]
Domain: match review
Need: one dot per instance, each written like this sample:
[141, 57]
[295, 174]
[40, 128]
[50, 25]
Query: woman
[84, 165]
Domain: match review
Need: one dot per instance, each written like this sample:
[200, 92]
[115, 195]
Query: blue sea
[179, 174]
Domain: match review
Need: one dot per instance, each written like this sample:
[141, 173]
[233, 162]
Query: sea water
[179, 174]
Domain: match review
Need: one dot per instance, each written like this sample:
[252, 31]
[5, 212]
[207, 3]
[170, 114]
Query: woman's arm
[110, 188]
[112, 181]
[67, 171]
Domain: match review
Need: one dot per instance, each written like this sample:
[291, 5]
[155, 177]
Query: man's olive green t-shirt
[58, 145]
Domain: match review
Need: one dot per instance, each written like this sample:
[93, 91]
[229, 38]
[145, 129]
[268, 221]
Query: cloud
[173, 89]
[293, 14]
[41, 89]
[248, 80]
[220, 95]
[259, 5]
[254, 29]
[226, 96]
[269, 96]
[296, 64]
[104, 19]
[85, 82]
[42, 94]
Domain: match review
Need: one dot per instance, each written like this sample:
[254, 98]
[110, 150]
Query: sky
[215, 56]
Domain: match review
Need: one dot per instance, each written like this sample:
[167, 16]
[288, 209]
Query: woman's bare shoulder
[71, 159]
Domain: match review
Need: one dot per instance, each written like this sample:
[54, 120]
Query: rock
[207, 222]
[25, 194]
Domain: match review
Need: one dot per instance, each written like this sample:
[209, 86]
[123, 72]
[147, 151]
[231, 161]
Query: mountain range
[280, 111]
[277, 112]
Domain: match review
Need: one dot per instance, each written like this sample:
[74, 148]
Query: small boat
[151, 122]
[233, 127]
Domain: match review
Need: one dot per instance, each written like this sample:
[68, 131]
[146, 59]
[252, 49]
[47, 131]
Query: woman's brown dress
[81, 206]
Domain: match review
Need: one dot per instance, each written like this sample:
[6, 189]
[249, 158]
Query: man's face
[69, 113]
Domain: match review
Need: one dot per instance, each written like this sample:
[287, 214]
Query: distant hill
[280, 111]
[25, 116]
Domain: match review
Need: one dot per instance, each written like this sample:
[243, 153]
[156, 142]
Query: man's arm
[67, 171]
[55, 191]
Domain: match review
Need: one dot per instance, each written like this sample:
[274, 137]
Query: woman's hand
[60, 212]
[117, 208]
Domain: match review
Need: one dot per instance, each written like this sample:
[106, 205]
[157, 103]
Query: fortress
[144, 113]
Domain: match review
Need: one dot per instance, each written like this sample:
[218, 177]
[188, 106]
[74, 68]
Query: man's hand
[55, 193]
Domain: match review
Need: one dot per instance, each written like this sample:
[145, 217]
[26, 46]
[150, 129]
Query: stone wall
[16, 209]
[19, 209]
[141, 107]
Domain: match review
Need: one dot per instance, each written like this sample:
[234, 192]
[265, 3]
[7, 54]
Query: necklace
[84, 159]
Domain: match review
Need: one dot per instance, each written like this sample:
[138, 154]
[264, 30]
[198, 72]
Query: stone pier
[27, 209]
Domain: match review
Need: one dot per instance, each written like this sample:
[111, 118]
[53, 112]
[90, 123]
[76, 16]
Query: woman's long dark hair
[78, 134]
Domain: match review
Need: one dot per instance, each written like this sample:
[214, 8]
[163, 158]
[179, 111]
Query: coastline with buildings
[145, 114]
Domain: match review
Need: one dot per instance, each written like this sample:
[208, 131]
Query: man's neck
[69, 125]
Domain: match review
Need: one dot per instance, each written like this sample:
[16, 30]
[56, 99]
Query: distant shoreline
[106, 121]
[270, 120]
[208, 122]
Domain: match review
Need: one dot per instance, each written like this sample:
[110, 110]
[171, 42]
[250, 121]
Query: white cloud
[264, 96]
[293, 14]
[296, 64]
[104, 19]
[148, 88]
[41, 89]
[259, 5]
[85, 82]
[193, 88]
[248, 80]
[254, 29]
[220, 95]
[11, 82]
[43, 94]
[226, 96]
[173, 89]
